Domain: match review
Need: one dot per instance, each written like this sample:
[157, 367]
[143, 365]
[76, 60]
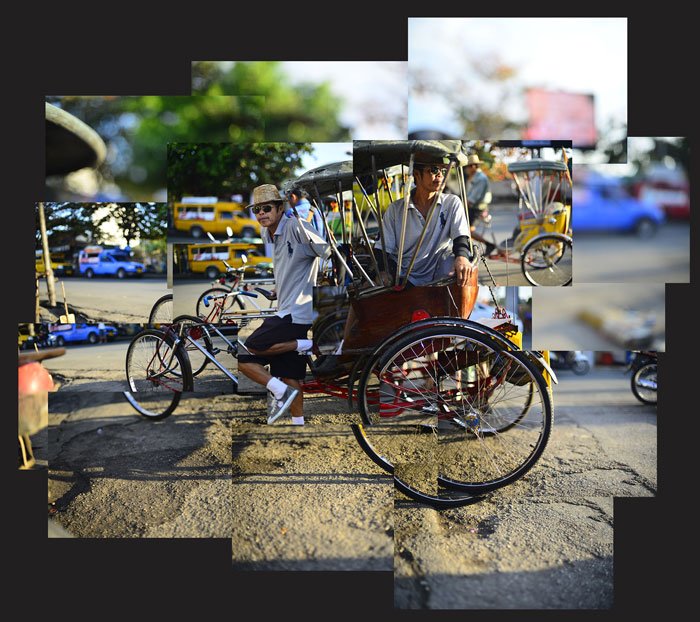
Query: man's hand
[463, 271]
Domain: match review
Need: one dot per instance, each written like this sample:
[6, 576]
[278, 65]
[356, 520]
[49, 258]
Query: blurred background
[531, 78]
[136, 131]
[315, 101]
[607, 316]
[631, 221]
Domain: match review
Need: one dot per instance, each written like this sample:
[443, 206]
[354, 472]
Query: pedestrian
[102, 332]
[281, 341]
[299, 203]
[478, 198]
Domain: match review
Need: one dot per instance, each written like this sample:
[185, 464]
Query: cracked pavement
[308, 498]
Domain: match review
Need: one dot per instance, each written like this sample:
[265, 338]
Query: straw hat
[473, 159]
[267, 193]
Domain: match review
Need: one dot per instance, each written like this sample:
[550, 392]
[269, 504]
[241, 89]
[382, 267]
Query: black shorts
[272, 331]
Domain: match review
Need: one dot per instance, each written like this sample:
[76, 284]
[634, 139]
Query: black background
[131, 49]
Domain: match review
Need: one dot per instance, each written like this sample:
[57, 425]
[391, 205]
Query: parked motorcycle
[33, 396]
[575, 360]
[643, 367]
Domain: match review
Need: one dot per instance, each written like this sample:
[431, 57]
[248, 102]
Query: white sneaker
[277, 407]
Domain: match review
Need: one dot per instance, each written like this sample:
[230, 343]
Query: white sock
[276, 387]
[298, 420]
[304, 345]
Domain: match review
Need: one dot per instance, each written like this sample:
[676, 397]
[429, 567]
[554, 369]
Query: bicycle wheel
[193, 330]
[546, 260]
[644, 385]
[326, 339]
[162, 311]
[157, 373]
[213, 312]
[447, 409]
[581, 367]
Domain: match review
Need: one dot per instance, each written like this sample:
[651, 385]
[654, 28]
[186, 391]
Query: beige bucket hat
[473, 159]
[267, 193]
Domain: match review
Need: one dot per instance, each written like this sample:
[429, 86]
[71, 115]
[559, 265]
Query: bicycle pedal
[215, 351]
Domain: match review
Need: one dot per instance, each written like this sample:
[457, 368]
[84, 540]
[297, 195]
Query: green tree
[138, 129]
[136, 221]
[225, 169]
[65, 222]
[299, 113]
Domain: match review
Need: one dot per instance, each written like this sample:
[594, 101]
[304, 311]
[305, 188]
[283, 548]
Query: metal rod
[378, 215]
[406, 200]
[332, 241]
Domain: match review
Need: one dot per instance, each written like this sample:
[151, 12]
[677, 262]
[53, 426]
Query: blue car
[97, 261]
[605, 205]
[62, 334]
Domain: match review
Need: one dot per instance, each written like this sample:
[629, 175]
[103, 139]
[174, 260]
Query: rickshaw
[451, 408]
[541, 243]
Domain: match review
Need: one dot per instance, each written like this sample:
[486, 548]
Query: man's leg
[297, 407]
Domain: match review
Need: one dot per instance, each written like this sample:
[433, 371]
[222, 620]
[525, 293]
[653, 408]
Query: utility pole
[50, 283]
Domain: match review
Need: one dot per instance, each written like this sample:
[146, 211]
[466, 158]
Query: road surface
[109, 299]
[308, 498]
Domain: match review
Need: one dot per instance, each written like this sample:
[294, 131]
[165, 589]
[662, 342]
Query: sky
[362, 85]
[585, 55]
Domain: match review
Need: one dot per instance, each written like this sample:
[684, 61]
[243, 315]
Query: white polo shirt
[435, 256]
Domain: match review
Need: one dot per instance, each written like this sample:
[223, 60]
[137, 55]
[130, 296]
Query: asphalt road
[558, 323]
[307, 498]
[109, 299]
[618, 258]
[102, 368]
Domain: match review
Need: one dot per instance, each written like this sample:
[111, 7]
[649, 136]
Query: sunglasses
[263, 208]
[434, 170]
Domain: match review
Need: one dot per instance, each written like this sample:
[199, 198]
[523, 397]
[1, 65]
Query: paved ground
[309, 499]
[109, 299]
[558, 323]
[617, 258]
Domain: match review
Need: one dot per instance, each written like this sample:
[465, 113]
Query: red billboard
[558, 115]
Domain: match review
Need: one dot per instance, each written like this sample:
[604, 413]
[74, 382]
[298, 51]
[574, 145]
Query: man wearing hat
[478, 196]
[281, 341]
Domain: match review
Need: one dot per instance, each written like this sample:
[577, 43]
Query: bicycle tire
[161, 311]
[581, 367]
[647, 372]
[392, 442]
[229, 304]
[546, 260]
[445, 499]
[198, 361]
[154, 390]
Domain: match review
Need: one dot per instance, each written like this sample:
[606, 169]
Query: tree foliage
[68, 222]
[224, 169]
[298, 113]
[138, 129]
[136, 221]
